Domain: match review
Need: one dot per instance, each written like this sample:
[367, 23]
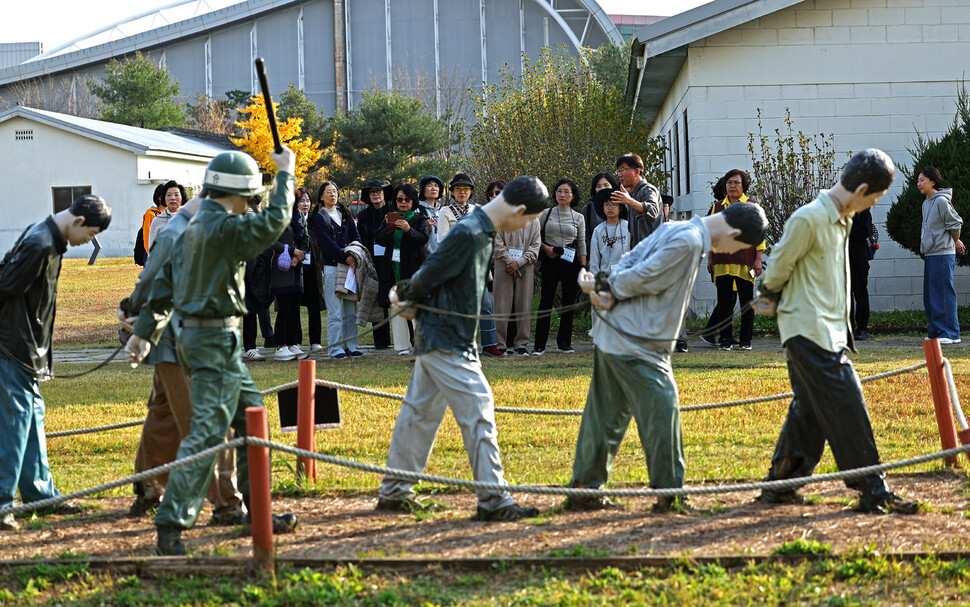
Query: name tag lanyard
[562, 234]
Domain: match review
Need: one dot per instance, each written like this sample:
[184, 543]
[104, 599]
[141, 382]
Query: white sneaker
[316, 348]
[405, 352]
[295, 350]
[283, 353]
[946, 341]
[253, 354]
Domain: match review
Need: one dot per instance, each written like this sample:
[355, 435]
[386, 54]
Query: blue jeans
[487, 323]
[23, 445]
[939, 297]
[341, 316]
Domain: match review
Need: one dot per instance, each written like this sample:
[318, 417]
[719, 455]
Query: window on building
[670, 162]
[686, 157]
[676, 154]
[64, 196]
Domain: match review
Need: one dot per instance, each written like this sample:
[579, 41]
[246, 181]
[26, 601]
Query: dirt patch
[348, 527]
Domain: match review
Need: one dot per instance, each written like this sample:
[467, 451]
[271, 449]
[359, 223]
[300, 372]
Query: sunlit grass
[727, 443]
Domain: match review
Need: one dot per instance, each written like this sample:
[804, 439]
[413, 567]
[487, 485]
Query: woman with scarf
[403, 234]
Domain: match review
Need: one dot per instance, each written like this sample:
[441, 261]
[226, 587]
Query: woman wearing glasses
[733, 273]
[403, 234]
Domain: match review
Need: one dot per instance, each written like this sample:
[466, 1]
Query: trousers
[311, 300]
[940, 297]
[726, 297]
[624, 388]
[859, 282]
[828, 406]
[166, 425]
[341, 316]
[513, 295]
[443, 379]
[23, 444]
[221, 391]
[554, 272]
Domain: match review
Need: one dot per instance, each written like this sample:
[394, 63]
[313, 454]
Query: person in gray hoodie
[939, 245]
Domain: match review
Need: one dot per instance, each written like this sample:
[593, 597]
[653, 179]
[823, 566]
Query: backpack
[140, 254]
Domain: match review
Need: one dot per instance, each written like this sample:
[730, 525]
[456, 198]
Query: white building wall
[56, 158]
[873, 72]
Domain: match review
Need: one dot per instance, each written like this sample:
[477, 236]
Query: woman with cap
[429, 196]
[375, 194]
[404, 238]
[563, 254]
[461, 188]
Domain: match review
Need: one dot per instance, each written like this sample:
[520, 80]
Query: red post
[261, 511]
[305, 422]
[941, 396]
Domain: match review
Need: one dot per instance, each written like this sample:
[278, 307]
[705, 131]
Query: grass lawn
[724, 444]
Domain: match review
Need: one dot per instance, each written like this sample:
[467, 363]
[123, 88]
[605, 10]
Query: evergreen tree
[387, 136]
[951, 155]
[138, 93]
[294, 103]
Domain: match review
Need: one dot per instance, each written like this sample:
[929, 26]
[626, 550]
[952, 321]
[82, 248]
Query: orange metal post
[941, 396]
[305, 422]
[261, 511]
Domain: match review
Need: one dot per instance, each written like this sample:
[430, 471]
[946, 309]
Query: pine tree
[950, 154]
[138, 93]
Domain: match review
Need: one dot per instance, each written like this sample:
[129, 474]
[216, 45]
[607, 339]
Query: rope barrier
[790, 483]
[522, 410]
[764, 399]
[137, 422]
[57, 499]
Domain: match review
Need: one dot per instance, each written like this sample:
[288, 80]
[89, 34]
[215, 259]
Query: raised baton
[268, 101]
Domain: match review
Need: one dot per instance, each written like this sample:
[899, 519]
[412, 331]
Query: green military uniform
[204, 283]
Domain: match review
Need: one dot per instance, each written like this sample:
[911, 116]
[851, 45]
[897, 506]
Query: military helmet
[234, 173]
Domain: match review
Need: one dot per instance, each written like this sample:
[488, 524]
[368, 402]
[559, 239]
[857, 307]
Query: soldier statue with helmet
[203, 282]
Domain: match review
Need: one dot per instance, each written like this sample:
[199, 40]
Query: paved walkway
[97, 355]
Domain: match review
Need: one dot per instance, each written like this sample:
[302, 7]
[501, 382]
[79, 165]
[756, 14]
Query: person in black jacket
[375, 194]
[258, 298]
[404, 239]
[333, 228]
[286, 283]
[28, 292]
[859, 273]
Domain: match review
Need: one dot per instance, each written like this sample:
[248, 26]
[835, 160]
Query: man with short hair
[807, 283]
[203, 282]
[644, 301]
[28, 299]
[642, 198]
[447, 371]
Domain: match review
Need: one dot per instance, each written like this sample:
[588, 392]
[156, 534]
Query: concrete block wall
[873, 72]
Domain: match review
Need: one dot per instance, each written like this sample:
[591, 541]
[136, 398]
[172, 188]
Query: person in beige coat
[513, 284]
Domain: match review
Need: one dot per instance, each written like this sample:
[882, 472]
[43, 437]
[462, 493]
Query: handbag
[283, 263]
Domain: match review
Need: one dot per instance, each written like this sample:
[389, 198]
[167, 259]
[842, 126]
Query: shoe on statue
[169, 541]
[512, 512]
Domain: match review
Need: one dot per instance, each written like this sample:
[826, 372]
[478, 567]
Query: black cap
[461, 179]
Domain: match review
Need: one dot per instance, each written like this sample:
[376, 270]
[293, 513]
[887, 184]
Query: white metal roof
[136, 140]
